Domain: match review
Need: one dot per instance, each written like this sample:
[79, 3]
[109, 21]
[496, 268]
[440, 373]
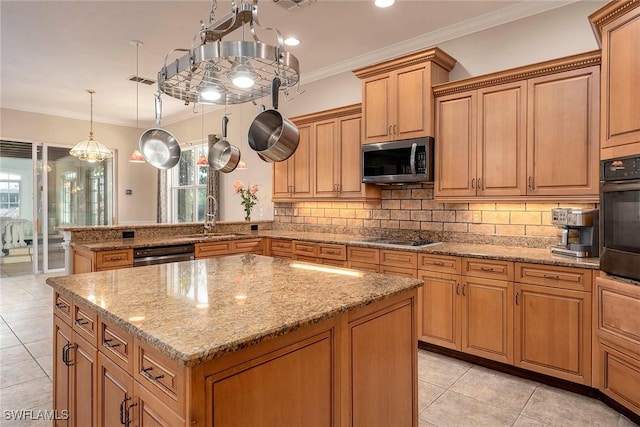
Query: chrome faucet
[210, 218]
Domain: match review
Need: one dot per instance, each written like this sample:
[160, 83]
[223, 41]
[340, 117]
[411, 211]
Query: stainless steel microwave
[398, 162]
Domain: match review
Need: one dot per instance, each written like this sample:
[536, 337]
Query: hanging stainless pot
[272, 136]
[223, 156]
[158, 147]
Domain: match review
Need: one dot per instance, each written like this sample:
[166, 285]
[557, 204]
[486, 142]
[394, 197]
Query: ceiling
[52, 51]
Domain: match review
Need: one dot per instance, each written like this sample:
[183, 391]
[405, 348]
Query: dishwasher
[162, 254]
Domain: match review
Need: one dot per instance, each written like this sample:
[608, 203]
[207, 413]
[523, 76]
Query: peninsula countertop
[195, 311]
[475, 250]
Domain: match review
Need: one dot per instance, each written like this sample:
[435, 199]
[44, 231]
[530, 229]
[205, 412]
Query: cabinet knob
[473, 183]
[530, 182]
[390, 130]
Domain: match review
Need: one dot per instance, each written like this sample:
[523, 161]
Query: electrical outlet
[254, 227]
[128, 234]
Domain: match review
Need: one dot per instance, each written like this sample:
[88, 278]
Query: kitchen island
[238, 340]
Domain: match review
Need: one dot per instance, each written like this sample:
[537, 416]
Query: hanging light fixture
[136, 156]
[222, 72]
[91, 150]
[202, 160]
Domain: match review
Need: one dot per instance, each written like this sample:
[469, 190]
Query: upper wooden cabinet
[331, 166]
[509, 134]
[617, 27]
[397, 99]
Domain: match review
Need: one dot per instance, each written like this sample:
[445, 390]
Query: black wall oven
[620, 217]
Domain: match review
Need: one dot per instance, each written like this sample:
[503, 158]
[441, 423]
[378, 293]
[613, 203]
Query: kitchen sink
[398, 242]
[216, 235]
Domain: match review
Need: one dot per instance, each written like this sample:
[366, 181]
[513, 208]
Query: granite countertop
[506, 253]
[195, 311]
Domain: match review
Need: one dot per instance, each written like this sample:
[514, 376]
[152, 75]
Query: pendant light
[202, 160]
[136, 156]
[91, 150]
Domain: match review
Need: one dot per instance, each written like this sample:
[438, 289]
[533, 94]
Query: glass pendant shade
[136, 157]
[241, 165]
[91, 150]
[202, 161]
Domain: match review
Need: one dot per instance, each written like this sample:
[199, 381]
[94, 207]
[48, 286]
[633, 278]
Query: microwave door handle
[412, 159]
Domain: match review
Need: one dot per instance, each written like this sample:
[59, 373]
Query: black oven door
[620, 228]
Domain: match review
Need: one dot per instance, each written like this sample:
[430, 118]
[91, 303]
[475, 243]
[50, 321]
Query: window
[9, 194]
[189, 186]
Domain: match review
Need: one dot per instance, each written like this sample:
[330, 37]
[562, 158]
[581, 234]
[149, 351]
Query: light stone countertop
[195, 311]
[474, 250]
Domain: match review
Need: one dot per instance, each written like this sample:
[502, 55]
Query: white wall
[560, 32]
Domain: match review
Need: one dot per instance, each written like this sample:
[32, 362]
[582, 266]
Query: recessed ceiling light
[291, 41]
[384, 3]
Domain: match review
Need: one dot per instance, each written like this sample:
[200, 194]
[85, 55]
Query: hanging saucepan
[272, 136]
[223, 156]
[158, 147]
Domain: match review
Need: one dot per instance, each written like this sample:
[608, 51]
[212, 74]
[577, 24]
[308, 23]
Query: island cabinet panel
[85, 323]
[150, 411]
[115, 393]
[62, 307]
[116, 344]
[88, 261]
[384, 367]
[62, 340]
[83, 262]
[618, 25]
[553, 332]
[83, 378]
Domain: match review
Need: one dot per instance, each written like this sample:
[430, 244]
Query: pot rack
[212, 63]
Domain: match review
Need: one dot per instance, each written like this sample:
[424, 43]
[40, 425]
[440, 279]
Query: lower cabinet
[229, 247]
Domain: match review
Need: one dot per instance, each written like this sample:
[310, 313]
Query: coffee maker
[585, 221]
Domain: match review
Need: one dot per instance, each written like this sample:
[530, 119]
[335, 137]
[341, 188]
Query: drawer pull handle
[115, 258]
[146, 373]
[107, 343]
[125, 416]
[81, 321]
[62, 306]
[486, 268]
[457, 288]
[463, 294]
[438, 263]
[551, 276]
[65, 354]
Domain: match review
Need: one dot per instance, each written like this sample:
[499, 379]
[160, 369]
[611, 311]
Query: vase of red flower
[248, 197]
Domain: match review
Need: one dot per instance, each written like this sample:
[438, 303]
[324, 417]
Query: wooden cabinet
[617, 26]
[115, 394]
[511, 135]
[229, 247]
[334, 138]
[553, 322]
[617, 341]
[323, 253]
[397, 100]
[464, 310]
[281, 248]
[366, 259]
[88, 261]
[292, 177]
[62, 341]
[400, 263]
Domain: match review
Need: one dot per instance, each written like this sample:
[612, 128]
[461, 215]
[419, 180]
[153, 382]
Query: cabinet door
[62, 340]
[502, 134]
[151, 411]
[455, 149]
[553, 332]
[327, 154]
[115, 390]
[439, 321]
[350, 168]
[620, 80]
[376, 108]
[562, 139]
[281, 184]
[83, 377]
[301, 172]
[487, 318]
[410, 101]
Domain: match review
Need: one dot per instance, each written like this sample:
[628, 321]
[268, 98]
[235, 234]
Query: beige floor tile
[565, 409]
[40, 348]
[625, 422]
[423, 423]
[454, 410]
[13, 354]
[439, 370]
[20, 372]
[35, 334]
[8, 339]
[488, 386]
[27, 395]
[427, 393]
[46, 363]
[38, 311]
[523, 421]
[42, 323]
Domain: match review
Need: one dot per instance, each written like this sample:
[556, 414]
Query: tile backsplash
[410, 212]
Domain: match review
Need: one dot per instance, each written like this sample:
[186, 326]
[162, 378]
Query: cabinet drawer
[363, 255]
[161, 376]
[363, 266]
[330, 251]
[619, 376]
[398, 271]
[114, 259]
[253, 246]
[398, 259]
[116, 344]
[305, 248]
[439, 263]
[85, 323]
[305, 258]
[618, 308]
[578, 279]
[205, 250]
[333, 262]
[62, 307]
[281, 248]
[487, 268]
